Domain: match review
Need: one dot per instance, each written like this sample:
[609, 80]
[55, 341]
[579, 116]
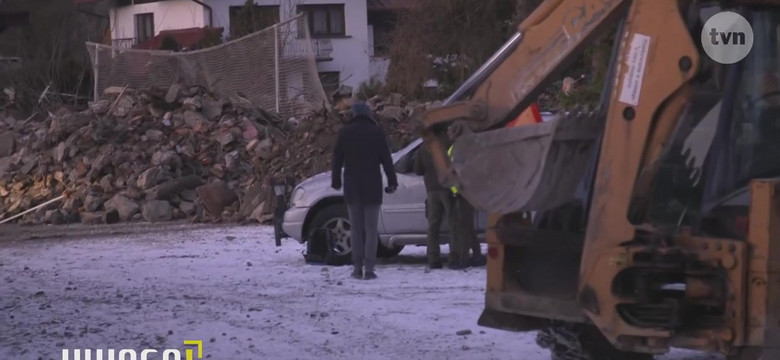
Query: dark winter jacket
[361, 149]
[423, 165]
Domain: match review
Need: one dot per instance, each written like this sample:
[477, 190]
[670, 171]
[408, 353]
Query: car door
[403, 212]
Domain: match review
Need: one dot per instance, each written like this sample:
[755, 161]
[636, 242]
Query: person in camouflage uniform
[438, 203]
[462, 222]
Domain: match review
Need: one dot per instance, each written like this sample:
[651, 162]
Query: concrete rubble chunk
[393, 112]
[216, 197]
[196, 121]
[125, 207]
[173, 188]
[93, 202]
[107, 183]
[167, 158]
[7, 144]
[149, 178]
[189, 195]
[396, 99]
[174, 92]
[264, 149]
[157, 210]
[91, 218]
[155, 135]
[231, 160]
[188, 208]
[212, 109]
[99, 107]
[55, 217]
[114, 91]
[192, 104]
[225, 138]
[123, 106]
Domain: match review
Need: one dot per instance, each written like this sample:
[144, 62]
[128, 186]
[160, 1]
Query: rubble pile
[165, 154]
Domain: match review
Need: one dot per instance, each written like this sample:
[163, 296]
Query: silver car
[402, 220]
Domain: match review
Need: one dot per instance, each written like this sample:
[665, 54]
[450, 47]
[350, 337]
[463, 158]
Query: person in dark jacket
[361, 150]
[438, 202]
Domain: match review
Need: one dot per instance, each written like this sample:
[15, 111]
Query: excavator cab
[649, 222]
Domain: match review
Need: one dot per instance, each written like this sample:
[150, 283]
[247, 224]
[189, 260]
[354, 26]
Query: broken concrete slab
[125, 207]
[157, 210]
[216, 196]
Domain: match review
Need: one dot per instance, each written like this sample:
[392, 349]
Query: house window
[245, 20]
[9, 20]
[330, 81]
[144, 27]
[325, 20]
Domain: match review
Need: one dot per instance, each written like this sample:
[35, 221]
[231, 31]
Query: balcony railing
[125, 43]
[322, 49]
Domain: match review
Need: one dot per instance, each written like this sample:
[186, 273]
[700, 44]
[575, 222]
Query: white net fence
[275, 68]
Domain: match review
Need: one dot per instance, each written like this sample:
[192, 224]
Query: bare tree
[55, 61]
[446, 40]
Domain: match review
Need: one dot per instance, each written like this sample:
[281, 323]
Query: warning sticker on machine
[635, 61]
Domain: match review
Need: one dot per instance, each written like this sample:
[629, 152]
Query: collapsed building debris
[167, 154]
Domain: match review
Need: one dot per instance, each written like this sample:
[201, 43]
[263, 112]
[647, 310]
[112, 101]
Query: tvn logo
[129, 354]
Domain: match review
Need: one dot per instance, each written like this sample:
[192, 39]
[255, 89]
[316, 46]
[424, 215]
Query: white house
[349, 36]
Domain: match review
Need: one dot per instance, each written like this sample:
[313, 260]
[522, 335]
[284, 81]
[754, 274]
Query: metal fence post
[96, 74]
[276, 64]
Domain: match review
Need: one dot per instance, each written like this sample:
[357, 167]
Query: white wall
[378, 68]
[350, 54]
[168, 15]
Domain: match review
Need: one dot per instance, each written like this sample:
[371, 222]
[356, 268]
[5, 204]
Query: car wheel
[334, 218]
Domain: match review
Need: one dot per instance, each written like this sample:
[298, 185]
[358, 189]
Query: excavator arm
[549, 39]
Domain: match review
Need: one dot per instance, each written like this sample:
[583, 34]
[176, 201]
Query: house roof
[390, 4]
[186, 38]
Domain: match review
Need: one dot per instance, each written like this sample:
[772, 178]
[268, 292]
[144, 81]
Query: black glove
[391, 189]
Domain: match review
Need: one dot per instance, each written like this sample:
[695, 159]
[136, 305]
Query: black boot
[370, 275]
[458, 265]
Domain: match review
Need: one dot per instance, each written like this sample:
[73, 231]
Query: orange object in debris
[531, 115]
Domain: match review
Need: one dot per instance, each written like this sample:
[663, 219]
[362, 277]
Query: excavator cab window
[729, 134]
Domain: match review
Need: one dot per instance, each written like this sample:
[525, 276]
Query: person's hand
[391, 189]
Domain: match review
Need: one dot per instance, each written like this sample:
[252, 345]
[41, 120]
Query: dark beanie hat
[361, 109]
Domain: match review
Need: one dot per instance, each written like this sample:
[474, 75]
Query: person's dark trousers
[364, 220]
[462, 224]
[439, 208]
[467, 215]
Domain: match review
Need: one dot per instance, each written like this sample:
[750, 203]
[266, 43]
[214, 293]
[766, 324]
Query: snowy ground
[246, 298]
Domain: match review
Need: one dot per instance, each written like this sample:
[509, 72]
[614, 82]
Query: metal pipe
[485, 70]
[211, 11]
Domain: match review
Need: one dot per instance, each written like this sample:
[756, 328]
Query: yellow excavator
[648, 222]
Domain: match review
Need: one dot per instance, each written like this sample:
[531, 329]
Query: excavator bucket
[532, 167]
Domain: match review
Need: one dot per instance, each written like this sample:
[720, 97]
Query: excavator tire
[567, 341]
